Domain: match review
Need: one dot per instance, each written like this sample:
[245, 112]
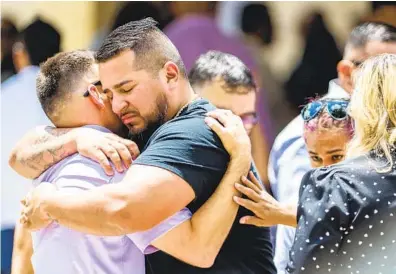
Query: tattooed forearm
[42, 160]
[41, 149]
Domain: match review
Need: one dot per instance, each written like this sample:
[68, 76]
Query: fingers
[23, 219]
[131, 146]
[100, 157]
[113, 155]
[215, 126]
[124, 154]
[252, 220]
[250, 185]
[250, 193]
[223, 116]
[246, 203]
[254, 180]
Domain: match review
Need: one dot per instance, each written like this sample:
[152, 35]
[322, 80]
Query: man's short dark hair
[371, 31]
[216, 65]
[152, 48]
[41, 41]
[59, 76]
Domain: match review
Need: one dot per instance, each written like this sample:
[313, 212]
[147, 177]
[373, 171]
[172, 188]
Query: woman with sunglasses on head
[327, 131]
[347, 212]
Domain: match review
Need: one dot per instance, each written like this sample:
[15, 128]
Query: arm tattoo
[45, 151]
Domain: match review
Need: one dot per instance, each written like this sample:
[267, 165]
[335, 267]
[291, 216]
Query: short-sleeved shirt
[187, 147]
[346, 219]
[58, 249]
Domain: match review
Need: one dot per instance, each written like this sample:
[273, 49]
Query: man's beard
[157, 119]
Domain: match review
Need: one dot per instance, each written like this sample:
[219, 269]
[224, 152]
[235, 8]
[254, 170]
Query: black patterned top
[346, 219]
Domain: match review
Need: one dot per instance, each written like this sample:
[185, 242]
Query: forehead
[219, 88]
[376, 47]
[117, 69]
[355, 54]
[240, 101]
[324, 140]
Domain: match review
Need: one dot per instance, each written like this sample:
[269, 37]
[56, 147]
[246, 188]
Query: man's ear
[345, 69]
[96, 96]
[172, 73]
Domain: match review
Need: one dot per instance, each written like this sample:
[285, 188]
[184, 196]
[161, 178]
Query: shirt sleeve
[144, 239]
[189, 149]
[323, 220]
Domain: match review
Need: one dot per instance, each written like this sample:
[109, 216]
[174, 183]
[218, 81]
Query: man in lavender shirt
[58, 249]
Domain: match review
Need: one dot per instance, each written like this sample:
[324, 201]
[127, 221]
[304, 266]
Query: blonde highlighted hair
[373, 108]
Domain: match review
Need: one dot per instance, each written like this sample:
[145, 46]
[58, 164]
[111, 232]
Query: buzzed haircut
[152, 48]
[216, 65]
[58, 78]
[371, 31]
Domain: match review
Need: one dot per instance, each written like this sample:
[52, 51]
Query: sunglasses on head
[97, 83]
[337, 109]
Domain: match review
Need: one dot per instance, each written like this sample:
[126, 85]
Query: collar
[98, 128]
[336, 91]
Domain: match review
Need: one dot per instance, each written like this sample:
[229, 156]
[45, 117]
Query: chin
[136, 129]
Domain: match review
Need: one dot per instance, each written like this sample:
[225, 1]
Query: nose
[328, 162]
[118, 104]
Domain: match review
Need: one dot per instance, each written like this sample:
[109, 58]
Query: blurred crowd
[194, 29]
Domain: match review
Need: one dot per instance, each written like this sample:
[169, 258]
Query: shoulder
[190, 126]
[348, 177]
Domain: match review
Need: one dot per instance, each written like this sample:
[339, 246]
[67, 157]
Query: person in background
[318, 64]
[9, 34]
[347, 211]
[194, 32]
[227, 82]
[289, 158]
[327, 131]
[20, 111]
[258, 34]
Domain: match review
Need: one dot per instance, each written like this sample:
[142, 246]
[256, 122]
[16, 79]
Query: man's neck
[182, 99]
